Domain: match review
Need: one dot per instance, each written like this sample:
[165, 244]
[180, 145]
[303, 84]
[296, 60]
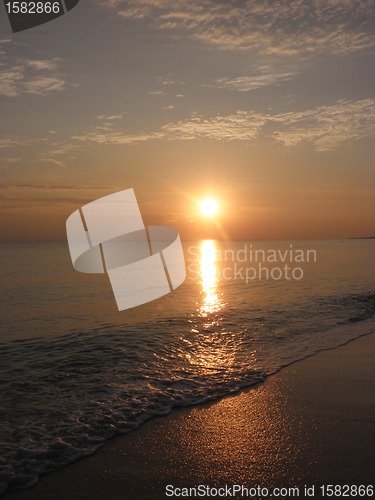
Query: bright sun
[209, 207]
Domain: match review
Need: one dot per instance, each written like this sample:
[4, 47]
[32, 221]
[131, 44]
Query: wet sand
[311, 423]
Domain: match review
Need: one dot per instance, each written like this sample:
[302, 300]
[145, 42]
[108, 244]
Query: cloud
[324, 127]
[29, 76]
[98, 136]
[10, 80]
[3, 43]
[16, 195]
[54, 161]
[267, 26]
[157, 92]
[14, 202]
[40, 64]
[264, 76]
[8, 142]
[50, 187]
[241, 126]
[43, 85]
[19, 79]
[328, 126]
[58, 152]
[110, 117]
[168, 80]
[11, 159]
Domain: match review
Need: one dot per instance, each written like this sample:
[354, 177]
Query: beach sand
[311, 423]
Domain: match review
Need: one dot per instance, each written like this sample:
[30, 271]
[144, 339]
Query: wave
[65, 396]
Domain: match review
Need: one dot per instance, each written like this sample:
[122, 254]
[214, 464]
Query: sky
[267, 106]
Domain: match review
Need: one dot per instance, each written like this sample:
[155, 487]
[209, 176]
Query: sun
[209, 207]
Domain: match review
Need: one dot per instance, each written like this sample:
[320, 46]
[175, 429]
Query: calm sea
[74, 371]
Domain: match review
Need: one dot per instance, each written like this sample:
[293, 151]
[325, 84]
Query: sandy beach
[313, 423]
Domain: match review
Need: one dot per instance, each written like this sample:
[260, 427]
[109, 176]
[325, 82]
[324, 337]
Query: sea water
[74, 371]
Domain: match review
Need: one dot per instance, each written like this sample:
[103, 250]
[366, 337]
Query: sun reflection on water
[209, 278]
[213, 347]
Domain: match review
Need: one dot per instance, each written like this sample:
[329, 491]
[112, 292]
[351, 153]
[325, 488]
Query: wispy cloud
[10, 80]
[169, 80]
[29, 76]
[24, 78]
[8, 142]
[263, 76]
[241, 126]
[115, 137]
[16, 195]
[43, 64]
[328, 126]
[54, 161]
[324, 127]
[157, 92]
[58, 153]
[111, 117]
[3, 43]
[49, 187]
[11, 159]
[43, 85]
[284, 27]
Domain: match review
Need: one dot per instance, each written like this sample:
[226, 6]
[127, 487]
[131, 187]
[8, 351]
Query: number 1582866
[33, 7]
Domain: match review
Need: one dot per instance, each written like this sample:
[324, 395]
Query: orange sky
[273, 116]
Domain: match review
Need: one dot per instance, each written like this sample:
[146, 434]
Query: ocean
[75, 371]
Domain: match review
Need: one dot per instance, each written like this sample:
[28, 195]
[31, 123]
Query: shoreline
[312, 422]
